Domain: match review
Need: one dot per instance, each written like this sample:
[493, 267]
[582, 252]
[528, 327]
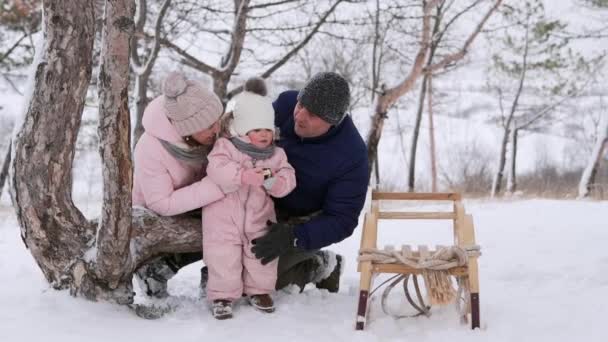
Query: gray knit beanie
[327, 95]
[191, 107]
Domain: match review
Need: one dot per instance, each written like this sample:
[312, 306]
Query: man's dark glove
[278, 241]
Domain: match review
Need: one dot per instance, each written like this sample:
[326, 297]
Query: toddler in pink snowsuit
[248, 168]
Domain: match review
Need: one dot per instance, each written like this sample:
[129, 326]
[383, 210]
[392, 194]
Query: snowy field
[543, 274]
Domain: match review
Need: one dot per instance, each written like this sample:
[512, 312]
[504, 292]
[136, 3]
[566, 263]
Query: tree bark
[590, 172]
[411, 178]
[114, 231]
[54, 230]
[502, 160]
[5, 164]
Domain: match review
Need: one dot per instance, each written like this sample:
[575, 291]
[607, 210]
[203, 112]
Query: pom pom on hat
[174, 85]
[256, 85]
[190, 106]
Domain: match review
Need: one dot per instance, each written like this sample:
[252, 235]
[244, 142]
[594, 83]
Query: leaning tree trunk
[5, 163]
[590, 172]
[54, 230]
[93, 260]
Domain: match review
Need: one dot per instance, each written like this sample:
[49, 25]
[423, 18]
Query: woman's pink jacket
[162, 183]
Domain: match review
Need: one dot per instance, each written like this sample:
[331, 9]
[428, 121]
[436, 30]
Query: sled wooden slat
[397, 215]
[464, 235]
[403, 269]
[417, 196]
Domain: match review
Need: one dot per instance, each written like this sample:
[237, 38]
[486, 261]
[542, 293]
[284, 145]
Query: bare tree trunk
[512, 180]
[414, 145]
[423, 90]
[432, 136]
[376, 58]
[502, 159]
[54, 230]
[497, 182]
[143, 69]
[5, 165]
[93, 260]
[590, 172]
[114, 231]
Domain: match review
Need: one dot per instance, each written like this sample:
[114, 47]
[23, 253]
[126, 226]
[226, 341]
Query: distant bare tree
[442, 27]
[389, 96]
[531, 50]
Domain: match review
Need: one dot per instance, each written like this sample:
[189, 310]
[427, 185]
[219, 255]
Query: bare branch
[140, 23]
[189, 59]
[232, 57]
[140, 70]
[460, 54]
[12, 48]
[293, 51]
[270, 4]
[391, 95]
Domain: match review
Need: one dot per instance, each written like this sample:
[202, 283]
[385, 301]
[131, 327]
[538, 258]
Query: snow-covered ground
[544, 277]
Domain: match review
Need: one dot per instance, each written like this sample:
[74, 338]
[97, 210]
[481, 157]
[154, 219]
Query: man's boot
[330, 270]
[153, 276]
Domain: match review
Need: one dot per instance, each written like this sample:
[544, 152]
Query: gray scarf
[195, 156]
[251, 150]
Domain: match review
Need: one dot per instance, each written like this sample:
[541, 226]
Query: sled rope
[434, 268]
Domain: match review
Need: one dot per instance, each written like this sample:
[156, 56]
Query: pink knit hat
[190, 106]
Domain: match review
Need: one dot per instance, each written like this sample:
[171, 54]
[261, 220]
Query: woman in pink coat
[169, 163]
[249, 169]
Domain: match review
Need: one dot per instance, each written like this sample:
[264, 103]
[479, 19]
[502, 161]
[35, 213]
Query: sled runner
[437, 267]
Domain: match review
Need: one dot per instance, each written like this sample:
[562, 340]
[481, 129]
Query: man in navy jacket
[330, 159]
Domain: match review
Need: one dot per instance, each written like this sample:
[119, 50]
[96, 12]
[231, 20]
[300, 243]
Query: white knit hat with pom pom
[191, 107]
[252, 108]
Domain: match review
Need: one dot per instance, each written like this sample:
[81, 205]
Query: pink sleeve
[222, 169]
[160, 195]
[285, 176]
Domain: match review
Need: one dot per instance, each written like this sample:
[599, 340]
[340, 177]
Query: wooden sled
[464, 236]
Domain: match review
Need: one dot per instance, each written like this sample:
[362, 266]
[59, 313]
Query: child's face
[260, 137]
